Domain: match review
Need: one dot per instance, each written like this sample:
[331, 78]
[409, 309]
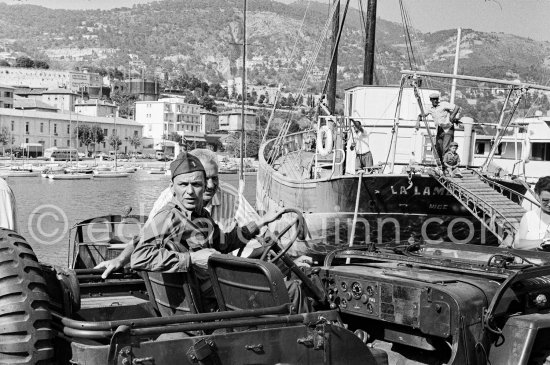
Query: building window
[68, 143]
[136, 133]
[114, 132]
[55, 129]
[41, 127]
[105, 133]
[69, 128]
[26, 140]
[103, 144]
[8, 106]
[12, 125]
[55, 142]
[7, 94]
[27, 127]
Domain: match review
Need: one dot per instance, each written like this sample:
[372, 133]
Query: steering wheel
[299, 232]
[281, 253]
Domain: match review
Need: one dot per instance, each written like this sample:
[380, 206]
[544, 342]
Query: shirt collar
[188, 214]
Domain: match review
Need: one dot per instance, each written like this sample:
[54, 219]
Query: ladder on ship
[499, 211]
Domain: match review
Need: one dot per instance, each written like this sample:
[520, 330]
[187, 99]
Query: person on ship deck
[444, 115]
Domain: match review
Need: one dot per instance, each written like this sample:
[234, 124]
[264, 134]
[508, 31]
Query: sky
[527, 18]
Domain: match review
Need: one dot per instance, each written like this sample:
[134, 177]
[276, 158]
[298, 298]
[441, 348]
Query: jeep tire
[25, 320]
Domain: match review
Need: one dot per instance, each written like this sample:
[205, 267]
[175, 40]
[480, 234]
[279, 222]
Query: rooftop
[60, 91]
[24, 103]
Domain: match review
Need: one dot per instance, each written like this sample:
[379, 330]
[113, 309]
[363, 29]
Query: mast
[455, 68]
[332, 73]
[370, 28]
[241, 175]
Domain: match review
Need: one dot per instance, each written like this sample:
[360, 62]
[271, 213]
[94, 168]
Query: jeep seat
[241, 283]
[170, 293]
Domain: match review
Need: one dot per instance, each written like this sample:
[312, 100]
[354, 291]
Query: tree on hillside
[41, 64]
[125, 102]
[4, 63]
[24, 61]
[208, 103]
[192, 100]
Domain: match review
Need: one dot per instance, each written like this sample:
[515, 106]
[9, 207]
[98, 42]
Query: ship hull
[393, 209]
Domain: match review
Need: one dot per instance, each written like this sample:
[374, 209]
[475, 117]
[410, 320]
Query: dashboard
[421, 299]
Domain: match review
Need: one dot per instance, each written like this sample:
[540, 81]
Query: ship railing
[488, 215]
[511, 194]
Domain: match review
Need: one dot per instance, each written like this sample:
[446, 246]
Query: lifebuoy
[324, 140]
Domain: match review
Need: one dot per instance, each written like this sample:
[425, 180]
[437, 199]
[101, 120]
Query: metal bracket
[316, 338]
[204, 349]
[120, 346]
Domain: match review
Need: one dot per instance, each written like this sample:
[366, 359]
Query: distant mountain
[203, 37]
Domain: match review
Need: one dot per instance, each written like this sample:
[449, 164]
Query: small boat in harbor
[79, 170]
[109, 174]
[126, 169]
[80, 176]
[19, 173]
[156, 171]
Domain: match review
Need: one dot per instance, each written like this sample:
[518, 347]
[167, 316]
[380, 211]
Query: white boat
[17, 173]
[79, 170]
[156, 171]
[70, 176]
[102, 168]
[524, 151]
[110, 175]
[127, 169]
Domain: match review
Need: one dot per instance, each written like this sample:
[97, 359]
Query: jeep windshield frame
[449, 257]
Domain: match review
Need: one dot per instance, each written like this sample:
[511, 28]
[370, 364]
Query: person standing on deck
[444, 115]
[8, 216]
[360, 141]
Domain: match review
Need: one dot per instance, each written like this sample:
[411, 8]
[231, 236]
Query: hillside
[203, 37]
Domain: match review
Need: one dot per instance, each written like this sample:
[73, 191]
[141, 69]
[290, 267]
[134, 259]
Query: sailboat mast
[370, 27]
[241, 176]
[332, 73]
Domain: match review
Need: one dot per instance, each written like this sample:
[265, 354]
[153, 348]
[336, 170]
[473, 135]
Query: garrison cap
[434, 95]
[453, 144]
[185, 163]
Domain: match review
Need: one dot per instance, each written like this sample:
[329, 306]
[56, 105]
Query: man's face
[212, 181]
[435, 101]
[544, 199]
[453, 149]
[188, 189]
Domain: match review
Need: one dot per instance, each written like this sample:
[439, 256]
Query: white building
[62, 99]
[165, 116]
[51, 79]
[96, 108]
[59, 129]
[231, 120]
[6, 96]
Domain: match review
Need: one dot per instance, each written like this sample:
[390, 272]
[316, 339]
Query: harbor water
[47, 209]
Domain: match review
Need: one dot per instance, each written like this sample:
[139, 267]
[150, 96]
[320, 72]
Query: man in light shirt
[360, 141]
[8, 216]
[444, 115]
